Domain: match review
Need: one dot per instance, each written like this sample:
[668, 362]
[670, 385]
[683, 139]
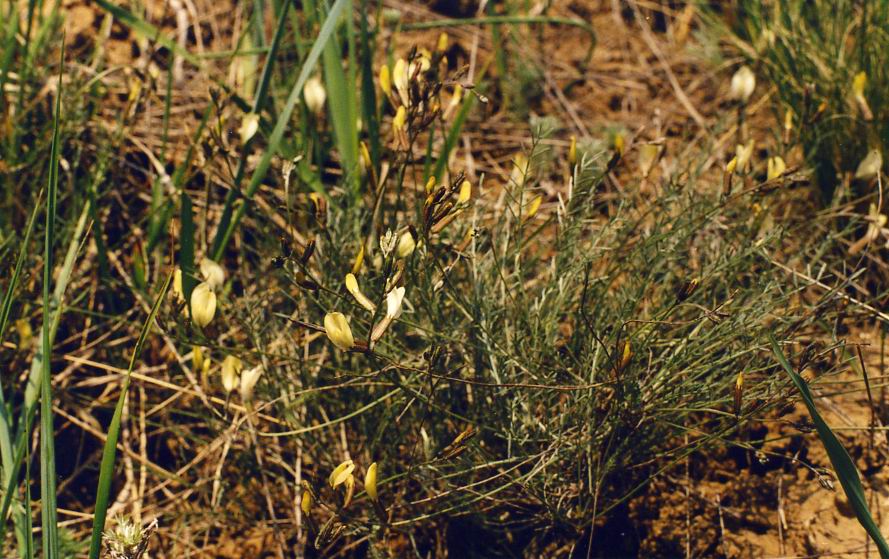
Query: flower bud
[249, 378]
[870, 165]
[338, 330]
[442, 44]
[359, 260]
[352, 287]
[394, 301]
[648, 156]
[465, 192]
[341, 473]
[231, 371]
[406, 245]
[370, 482]
[731, 165]
[306, 500]
[203, 304]
[212, 273]
[314, 94]
[533, 206]
[776, 167]
[178, 293]
[400, 79]
[742, 85]
[385, 80]
[249, 126]
[572, 151]
[743, 154]
[400, 119]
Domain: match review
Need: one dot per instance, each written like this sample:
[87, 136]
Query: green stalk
[48, 513]
[6, 451]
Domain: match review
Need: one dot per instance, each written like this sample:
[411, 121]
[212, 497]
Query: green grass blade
[186, 248]
[48, 512]
[842, 463]
[106, 470]
[341, 102]
[29, 408]
[368, 90]
[6, 451]
[277, 135]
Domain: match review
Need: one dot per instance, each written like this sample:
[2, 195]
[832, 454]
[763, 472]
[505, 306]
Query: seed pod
[687, 289]
[738, 394]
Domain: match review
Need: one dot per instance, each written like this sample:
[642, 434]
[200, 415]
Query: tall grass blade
[29, 408]
[48, 513]
[274, 145]
[842, 463]
[368, 91]
[106, 470]
[341, 89]
[6, 450]
[186, 248]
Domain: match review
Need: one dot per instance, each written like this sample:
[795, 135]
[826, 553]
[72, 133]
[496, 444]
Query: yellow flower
[203, 304]
[249, 378]
[400, 79]
[359, 260]
[400, 119]
[731, 165]
[231, 371]
[366, 162]
[338, 330]
[858, 83]
[385, 80]
[648, 154]
[442, 42]
[743, 154]
[776, 167]
[742, 85]
[394, 301]
[213, 273]
[370, 482]
[533, 206]
[430, 185]
[306, 500]
[352, 287]
[197, 359]
[572, 152]
[465, 192]
[249, 126]
[314, 94]
[178, 293]
[341, 473]
[870, 165]
[406, 245]
[619, 143]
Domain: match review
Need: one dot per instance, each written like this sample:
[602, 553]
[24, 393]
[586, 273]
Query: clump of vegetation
[827, 61]
[356, 339]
